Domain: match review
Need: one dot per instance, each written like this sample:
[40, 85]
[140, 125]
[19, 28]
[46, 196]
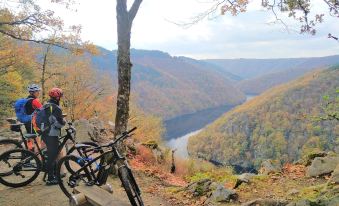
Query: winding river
[180, 129]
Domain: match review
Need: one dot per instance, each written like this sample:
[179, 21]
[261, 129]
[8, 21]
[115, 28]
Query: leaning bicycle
[87, 171]
[20, 167]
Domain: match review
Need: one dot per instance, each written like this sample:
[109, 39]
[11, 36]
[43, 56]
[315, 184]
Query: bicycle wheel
[71, 178]
[130, 186]
[9, 144]
[19, 167]
[74, 151]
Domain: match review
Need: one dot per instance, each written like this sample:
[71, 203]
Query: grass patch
[313, 192]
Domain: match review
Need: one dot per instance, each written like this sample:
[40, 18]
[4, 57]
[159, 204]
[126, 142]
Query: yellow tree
[16, 66]
[83, 86]
[27, 21]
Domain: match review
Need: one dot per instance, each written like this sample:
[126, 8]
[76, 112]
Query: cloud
[246, 35]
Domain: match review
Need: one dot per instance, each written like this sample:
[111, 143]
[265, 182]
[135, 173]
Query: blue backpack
[20, 110]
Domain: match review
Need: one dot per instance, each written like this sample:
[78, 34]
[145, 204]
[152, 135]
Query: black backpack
[40, 118]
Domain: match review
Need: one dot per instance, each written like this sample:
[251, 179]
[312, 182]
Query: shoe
[53, 181]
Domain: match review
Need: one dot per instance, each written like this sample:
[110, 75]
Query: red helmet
[55, 93]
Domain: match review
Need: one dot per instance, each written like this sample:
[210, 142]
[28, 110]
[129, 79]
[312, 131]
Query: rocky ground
[38, 194]
[312, 181]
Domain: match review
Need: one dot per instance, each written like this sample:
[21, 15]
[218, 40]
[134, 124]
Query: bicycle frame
[23, 139]
[112, 161]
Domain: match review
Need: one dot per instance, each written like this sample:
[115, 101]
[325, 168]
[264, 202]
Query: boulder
[335, 176]
[222, 194]
[243, 178]
[269, 167]
[307, 159]
[322, 166]
[265, 202]
[333, 201]
[92, 129]
[200, 187]
[302, 202]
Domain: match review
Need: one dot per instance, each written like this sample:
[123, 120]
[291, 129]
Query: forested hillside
[280, 124]
[85, 97]
[171, 86]
[262, 83]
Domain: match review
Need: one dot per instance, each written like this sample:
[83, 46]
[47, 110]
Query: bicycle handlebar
[123, 136]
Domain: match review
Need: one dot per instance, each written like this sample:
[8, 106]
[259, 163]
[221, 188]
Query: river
[180, 129]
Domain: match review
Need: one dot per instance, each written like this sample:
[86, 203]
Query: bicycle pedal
[71, 183]
[90, 183]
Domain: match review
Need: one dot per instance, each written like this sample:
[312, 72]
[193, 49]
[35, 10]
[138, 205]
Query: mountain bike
[20, 166]
[87, 171]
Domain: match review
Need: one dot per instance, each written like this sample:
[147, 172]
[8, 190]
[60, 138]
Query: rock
[302, 202]
[268, 167]
[334, 201]
[322, 166]
[158, 155]
[335, 176]
[221, 194]
[92, 129]
[200, 187]
[307, 159]
[293, 192]
[265, 202]
[243, 178]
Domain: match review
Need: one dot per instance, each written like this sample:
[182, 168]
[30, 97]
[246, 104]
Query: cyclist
[50, 136]
[32, 104]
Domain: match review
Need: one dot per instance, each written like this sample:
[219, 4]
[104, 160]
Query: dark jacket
[55, 119]
[32, 104]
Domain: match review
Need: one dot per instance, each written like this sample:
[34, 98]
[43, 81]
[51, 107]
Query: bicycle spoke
[18, 167]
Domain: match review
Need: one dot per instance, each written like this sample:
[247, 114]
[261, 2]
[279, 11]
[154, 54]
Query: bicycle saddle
[30, 136]
[16, 127]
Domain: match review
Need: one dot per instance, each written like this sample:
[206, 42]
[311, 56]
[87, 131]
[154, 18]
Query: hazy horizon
[248, 35]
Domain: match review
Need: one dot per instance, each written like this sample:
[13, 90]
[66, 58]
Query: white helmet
[33, 88]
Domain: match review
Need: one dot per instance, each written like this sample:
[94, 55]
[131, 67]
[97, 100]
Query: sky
[248, 35]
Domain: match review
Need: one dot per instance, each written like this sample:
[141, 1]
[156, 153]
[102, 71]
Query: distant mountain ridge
[259, 75]
[251, 68]
[172, 86]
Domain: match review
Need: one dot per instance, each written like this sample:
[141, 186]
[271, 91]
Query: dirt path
[38, 194]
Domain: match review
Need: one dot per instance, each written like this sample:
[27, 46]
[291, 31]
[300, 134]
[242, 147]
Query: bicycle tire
[62, 180]
[130, 186]
[8, 144]
[28, 156]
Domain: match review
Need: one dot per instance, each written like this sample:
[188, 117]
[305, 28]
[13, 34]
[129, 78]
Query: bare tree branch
[333, 37]
[33, 40]
[134, 10]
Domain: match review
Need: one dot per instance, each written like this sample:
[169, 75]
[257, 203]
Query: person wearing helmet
[50, 136]
[32, 104]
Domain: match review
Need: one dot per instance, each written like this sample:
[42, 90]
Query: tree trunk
[43, 73]
[124, 25]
